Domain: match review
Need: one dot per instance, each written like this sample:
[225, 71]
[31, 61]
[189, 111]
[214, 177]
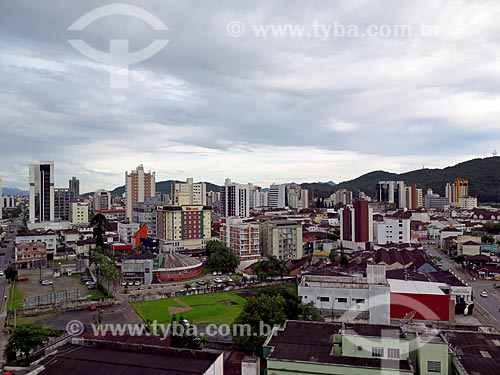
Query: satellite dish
[408, 317]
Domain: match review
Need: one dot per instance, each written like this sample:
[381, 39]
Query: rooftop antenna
[495, 153]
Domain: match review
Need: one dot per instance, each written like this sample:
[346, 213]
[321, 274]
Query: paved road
[490, 305]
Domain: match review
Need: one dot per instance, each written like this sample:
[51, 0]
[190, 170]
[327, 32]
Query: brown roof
[313, 342]
[477, 352]
[83, 360]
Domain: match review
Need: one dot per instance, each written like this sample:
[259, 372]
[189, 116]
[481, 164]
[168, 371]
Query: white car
[46, 282]
[484, 294]
[218, 280]
[2, 273]
[137, 283]
[89, 283]
[124, 282]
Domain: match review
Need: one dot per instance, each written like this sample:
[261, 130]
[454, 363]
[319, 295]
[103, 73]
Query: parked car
[86, 278]
[124, 282]
[46, 282]
[2, 273]
[90, 282]
[24, 278]
[130, 283]
[484, 294]
[92, 286]
[214, 273]
[218, 280]
[137, 283]
[201, 282]
[219, 273]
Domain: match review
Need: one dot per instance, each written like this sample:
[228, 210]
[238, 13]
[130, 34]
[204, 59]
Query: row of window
[340, 299]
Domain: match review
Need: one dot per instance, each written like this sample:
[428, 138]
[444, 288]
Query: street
[489, 305]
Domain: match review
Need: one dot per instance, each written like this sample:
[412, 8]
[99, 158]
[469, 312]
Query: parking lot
[33, 287]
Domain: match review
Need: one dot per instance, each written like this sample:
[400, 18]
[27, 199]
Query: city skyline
[209, 103]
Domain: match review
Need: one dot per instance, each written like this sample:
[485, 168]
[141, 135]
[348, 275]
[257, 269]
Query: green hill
[483, 176]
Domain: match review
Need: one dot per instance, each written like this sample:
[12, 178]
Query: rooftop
[83, 360]
[416, 287]
[478, 353]
[313, 342]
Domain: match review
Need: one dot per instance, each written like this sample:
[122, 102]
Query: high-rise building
[411, 196]
[420, 198]
[356, 224]
[144, 213]
[189, 193]
[79, 213]
[41, 195]
[456, 190]
[74, 188]
[1, 200]
[213, 199]
[341, 196]
[242, 238]
[392, 192]
[259, 198]
[184, 227]
[288, 195]
[62, 199]
[277, 196]
[102, 200]
[235, 199]
[139, 186]
[282, 239]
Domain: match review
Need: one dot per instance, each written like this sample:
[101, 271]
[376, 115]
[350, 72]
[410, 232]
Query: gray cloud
[284, 108]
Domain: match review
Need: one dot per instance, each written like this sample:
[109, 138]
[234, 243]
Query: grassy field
[205, 308]
[16, 298]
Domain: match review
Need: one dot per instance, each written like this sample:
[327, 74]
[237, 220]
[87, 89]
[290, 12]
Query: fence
[59, 297]
[159, 294]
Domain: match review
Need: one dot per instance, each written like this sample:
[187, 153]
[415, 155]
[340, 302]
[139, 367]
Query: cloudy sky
[226, 101]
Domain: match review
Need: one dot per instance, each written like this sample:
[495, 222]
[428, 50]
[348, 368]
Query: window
[377, 352]
[433, 366]
[393, 353]
[324, 299]
[342, 300]
[360, 300]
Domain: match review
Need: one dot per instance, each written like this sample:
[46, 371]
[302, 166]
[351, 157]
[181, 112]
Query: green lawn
[16, 298]
[206, 308]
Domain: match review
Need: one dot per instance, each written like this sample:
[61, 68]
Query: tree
[212, 246]
[344, 260]
[223, 260]
[259, 311]
[100, 225]
[24, 339]
[332, 255]
[11, 273]
[488, 239]
[270, 267]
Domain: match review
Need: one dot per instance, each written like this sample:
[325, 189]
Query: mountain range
[483, 175]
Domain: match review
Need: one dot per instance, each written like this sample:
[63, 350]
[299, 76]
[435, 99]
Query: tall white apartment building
[102, 200]
[259, 198]
[235, 199]
[189, 193]
[277, 196]
[139, 186]
[41, 194]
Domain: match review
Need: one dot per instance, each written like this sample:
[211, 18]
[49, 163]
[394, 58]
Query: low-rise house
[31, 255]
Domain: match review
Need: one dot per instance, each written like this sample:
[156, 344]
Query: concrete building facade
[139, 185]
[41, 193]
[282, 239]
[189, 193]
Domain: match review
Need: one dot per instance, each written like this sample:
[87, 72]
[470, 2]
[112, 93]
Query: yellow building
[79, 213]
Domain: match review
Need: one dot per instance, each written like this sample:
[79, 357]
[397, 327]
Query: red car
[24, 278]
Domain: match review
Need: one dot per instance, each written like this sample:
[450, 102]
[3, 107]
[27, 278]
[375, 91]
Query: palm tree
[100, 224]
